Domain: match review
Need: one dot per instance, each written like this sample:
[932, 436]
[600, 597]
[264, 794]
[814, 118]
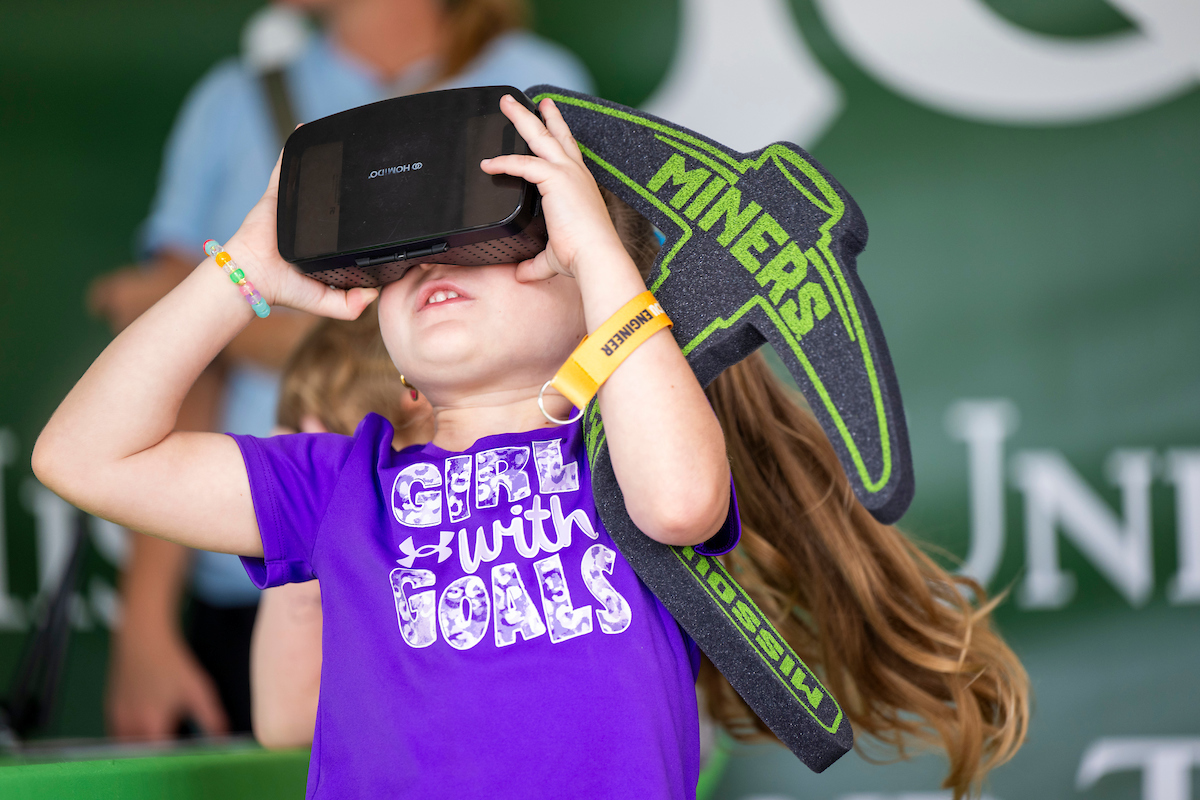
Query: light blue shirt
[219, 157]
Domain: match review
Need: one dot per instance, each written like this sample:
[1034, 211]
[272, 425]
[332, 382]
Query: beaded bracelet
[214, 249]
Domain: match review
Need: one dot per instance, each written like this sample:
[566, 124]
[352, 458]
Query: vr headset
[368, 193]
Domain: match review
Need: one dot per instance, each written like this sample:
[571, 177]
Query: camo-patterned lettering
[515, 611]
[414, 610]
[503, 466]
[553, 475]
[458, 487]
[417, 496]
[564, 620]
[464, 612]
[616, 614]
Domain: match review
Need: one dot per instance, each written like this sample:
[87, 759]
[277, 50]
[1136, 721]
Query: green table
[225, 772]
[239, 771]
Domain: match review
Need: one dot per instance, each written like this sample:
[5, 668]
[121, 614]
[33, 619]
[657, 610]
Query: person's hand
[576, 218]
[123, 295]
[155, 683]
[255, 250]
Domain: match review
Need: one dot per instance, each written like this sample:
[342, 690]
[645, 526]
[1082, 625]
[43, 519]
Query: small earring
[411, 389]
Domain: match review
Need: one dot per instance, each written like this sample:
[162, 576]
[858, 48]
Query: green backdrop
[1038, 283]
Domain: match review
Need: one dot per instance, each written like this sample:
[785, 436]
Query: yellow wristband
[602, 351]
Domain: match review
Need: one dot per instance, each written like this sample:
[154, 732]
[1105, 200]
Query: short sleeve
[292, 479]
[730, 534]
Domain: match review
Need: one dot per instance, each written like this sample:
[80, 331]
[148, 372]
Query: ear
[311, 423]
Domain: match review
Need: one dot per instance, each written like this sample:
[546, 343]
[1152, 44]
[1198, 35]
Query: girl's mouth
[441, 297]
[439, 292]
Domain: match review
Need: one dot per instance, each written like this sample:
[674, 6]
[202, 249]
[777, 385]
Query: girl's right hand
[255, 249]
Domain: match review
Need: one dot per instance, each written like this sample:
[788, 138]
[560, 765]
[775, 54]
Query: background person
[218, 157]
[336, 376]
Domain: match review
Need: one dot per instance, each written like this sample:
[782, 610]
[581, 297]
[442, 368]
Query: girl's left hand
[576, 218]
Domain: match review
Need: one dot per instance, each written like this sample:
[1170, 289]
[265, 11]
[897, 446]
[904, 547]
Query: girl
[540, 664]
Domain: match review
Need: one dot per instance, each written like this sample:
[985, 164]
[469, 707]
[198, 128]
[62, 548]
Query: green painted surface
[250, 775]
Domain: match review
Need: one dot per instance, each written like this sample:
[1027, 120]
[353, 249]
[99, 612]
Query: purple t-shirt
[483, 636]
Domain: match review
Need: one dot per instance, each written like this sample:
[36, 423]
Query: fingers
[540, 140]
[119, 722]
[537, 268]
[327, 301]
[133, 720]
[531, 168]
[557, 126]
[273, 184]
[204, 707]
[99, 295]
[551, 143]
[345, 304]
[153, 725]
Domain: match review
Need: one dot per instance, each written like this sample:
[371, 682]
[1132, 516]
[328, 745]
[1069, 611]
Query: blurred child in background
[338, 374]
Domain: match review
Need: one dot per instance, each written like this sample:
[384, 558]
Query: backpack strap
[272, 39]
[279, 101]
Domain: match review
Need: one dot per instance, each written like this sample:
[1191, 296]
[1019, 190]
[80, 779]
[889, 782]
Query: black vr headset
[368, 193]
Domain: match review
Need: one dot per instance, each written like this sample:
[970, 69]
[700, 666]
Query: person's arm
[667, 449]
[123, 295]
[110, 448]
[154, 680]
[285, 665]
[268, 345]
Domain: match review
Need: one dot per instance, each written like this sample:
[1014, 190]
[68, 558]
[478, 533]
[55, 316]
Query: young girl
[513, 652]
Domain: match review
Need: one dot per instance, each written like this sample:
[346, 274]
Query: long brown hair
[894, 636]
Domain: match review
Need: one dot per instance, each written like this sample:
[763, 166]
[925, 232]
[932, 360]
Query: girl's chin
[450, 361]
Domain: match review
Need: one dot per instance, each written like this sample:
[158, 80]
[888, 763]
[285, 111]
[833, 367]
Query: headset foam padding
[760, 248]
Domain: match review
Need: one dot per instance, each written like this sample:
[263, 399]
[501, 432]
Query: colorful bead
[256, 302]
[225, 262]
